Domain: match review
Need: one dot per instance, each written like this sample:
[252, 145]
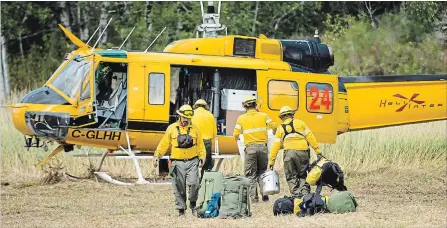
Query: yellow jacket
[206, 123]
[170, 138]
[253, 125]
[293, 141]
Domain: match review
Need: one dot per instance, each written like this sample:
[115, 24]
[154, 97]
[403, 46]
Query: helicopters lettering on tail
[124, 100]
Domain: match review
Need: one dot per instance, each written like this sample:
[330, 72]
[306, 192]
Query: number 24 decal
[324, 100]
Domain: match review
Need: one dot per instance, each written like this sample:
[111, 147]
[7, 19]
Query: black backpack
[184, 141]
[331, 176]
[312, 203]
[283, 206]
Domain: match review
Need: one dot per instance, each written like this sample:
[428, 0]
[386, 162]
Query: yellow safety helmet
[285, 110]
[248, 100]
[199, 103]
[186, 111]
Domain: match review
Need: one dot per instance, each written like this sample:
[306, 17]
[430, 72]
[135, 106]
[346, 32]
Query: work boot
[181, 212]
[192, 205]
[265, 198]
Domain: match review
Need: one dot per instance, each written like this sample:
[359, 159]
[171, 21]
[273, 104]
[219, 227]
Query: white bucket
[270, 183]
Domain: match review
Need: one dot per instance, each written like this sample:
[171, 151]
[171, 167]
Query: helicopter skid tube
[109, 179]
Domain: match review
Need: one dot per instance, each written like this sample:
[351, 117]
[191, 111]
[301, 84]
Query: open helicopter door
[86, 98]
[311, 95]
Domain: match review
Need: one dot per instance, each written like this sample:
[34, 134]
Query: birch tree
[103, 21]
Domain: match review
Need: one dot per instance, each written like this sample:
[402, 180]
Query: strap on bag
[293, 131]
[241, 189]
[248, 201]
[210, 192]
[178, 130]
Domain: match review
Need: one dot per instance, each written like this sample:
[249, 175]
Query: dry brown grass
[387, 198]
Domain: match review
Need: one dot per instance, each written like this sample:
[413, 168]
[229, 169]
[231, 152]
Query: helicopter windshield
[70, 79]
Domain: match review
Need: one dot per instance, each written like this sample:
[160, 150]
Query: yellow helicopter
[125, 100]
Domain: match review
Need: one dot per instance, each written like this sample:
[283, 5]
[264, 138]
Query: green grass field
[398, 175]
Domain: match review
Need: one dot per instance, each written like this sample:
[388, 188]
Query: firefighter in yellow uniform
[187, 155]
[253, 125]
[206, 123]
[296, 137]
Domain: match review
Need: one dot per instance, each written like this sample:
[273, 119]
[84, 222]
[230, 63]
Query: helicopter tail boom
[376, 102]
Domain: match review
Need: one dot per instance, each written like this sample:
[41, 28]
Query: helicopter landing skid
[131, 155]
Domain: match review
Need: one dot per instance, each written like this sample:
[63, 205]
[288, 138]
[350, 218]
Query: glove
[201, 163]
[155, 162]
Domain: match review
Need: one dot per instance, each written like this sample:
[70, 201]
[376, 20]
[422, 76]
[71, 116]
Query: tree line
[368, 38]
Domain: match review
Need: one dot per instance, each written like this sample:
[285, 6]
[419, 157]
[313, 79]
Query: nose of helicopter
[18, 119]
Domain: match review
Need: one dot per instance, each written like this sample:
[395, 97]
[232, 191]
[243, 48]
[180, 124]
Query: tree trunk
[443, 26]
[253, 29]
[4, 77]
[103, 21]
[2, 81]
[147, 17]
[179, 25]
[83, 24]
[21, 45]
[65, 15]
[20, 35]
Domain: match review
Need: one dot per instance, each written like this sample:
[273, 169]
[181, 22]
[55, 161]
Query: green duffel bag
[212, 182]
[235, 202]
[341, 202]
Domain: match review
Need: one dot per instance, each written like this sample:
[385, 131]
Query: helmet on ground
[186, 111]
[285, 110]
[248, 100]
[200, 103]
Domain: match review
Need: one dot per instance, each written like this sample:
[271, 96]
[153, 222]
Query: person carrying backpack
[187, 154]
[253, 125]
[296, 137]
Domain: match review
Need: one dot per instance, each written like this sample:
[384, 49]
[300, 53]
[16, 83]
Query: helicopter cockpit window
[71, 77]
[85, 93]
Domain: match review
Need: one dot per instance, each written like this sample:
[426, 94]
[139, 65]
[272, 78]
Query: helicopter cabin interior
[110, 95]
[190, 83]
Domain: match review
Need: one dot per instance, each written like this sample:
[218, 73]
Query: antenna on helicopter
[88, 41]
[154, 40]
[126, 39]
[93, 48]
[211, 23]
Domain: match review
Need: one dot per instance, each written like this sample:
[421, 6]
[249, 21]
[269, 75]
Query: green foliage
[391, 48]
[367, 37]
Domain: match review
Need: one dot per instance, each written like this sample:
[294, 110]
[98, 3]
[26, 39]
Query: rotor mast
[210, 21]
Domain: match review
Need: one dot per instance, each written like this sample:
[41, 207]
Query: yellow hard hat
[200, 102]
[248, 100]
[186, 111]
[285, 110]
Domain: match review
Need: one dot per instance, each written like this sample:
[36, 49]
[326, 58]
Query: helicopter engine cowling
[309, 53]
